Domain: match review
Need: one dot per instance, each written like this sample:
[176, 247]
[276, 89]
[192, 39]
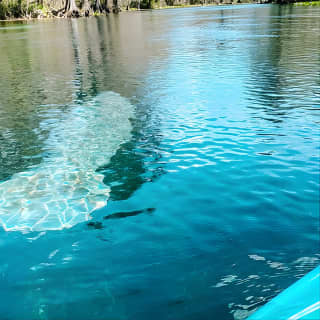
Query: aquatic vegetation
[65, 188]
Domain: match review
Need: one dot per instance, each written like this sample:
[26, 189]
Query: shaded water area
[194, 136]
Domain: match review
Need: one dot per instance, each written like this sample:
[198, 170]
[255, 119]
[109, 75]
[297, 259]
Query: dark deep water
[214, 195]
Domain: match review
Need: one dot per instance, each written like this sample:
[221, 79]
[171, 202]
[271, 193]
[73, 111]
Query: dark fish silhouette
[95, 225]
[124, 214]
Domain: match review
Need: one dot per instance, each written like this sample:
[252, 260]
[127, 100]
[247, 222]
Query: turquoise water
[160, 164]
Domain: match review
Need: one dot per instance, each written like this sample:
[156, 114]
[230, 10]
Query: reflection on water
[214, 197]
[55, 62]
[137, 161]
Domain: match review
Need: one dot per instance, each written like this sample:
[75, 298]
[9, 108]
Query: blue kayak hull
[301, 301]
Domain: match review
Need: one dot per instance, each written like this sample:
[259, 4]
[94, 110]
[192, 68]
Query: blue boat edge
[301, 301]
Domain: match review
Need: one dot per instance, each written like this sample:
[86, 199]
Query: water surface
[208, 161]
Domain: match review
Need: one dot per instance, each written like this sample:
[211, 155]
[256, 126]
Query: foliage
[33, 7]
[308, 3]
[14, 9]
[3, 11]
[147, 4]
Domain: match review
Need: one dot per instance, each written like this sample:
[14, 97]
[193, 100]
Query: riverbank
[18, 10]
[13, 13]
[22, 10]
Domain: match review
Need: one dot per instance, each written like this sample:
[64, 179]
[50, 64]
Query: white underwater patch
[65, 188]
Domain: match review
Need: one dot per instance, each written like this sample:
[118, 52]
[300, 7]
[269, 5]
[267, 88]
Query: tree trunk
[71, 9]
[98, 6]
[86, 8]
[108, 5]
[116, 7]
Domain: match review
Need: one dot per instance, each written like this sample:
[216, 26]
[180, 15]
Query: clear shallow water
[213, 197]
[65, 187]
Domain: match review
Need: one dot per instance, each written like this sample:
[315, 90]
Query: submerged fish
[65, 188]
[125, 214]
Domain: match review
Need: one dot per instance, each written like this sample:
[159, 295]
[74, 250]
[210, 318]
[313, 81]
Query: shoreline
[124, 10]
